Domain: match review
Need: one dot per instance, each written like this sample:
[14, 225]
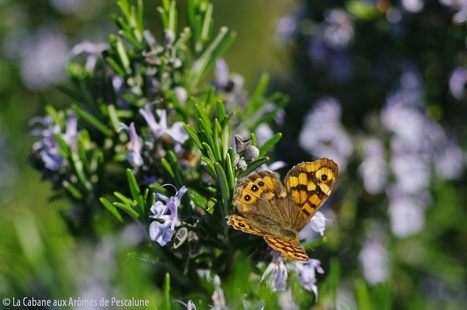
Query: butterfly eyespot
[324, 177]
[241, 224]
[254, 188]
[261, 183]
[247, 197]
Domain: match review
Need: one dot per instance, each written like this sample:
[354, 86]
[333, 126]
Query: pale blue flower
[307, 273]
[48, 148]
[276, 273]
[374, 259]
[374, 168]
[44, 58]
[460, 6]
[165, 211]
[407, 213]
[160, 128]
[449, 161]
[93, 52]
[337, 28]
[317, 224]
[134, 146]
[458, 82]
[217, 297]
[323, 135]
[222, 74]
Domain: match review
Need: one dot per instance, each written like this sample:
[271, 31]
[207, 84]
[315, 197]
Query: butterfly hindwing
[290, 248]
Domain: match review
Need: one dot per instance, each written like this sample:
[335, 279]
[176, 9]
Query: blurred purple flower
[337, 28]
[286, 28]
[458, 82]
[458, 5]
[218, 295]
[413, 6]
[402, 113]
[165, 211]
[230, 84]
[317, 224]
[374, 168]
[322, 134]
[134, 146]
[412, 173]
[375, 260]
[44, 58]
[286, 300]
[48, 148]
[190, 305]
[449, 161]
[222, 74]
[71, 134]
[276, 273]
[417, 143]
[328, 45]
[307, 273]
[407, 212]
[159, 129]
[92, 51]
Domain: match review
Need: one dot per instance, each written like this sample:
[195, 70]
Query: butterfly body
[278, 214]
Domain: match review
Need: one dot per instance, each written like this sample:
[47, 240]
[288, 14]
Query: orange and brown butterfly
[278, 214]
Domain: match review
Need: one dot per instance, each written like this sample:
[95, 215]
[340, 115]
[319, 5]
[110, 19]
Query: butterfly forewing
[308, 185]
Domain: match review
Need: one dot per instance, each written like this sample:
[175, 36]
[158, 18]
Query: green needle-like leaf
[264, 149]
[135, 192]
[111, 208]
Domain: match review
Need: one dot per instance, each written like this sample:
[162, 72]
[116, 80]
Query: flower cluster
[386, 112]
[147, 120]
[47, 149]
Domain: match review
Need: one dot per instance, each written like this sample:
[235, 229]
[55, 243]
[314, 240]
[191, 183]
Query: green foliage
[146, 127]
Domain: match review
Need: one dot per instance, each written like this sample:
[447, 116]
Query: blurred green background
[38, 256]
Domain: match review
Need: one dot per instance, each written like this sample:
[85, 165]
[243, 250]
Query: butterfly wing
[262, 201]
[290, 248]
[247, 225]
[308, 186]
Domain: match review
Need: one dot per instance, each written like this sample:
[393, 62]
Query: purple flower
[44, 58]
[458, 82]
[48, 148]
[317, 224]
[322, 134]
[134, 147]
[276, 272]
[337, 29]
[71, 134]
[165, 211]
[159, 129]
[92, 50]
[217, 297]
[449, 161]
[307, 273]
[407, 212]
[222, 74]
[460, 6]
[374, 260]
[374, 168]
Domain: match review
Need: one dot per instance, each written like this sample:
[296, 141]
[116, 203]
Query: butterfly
[278, 214]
